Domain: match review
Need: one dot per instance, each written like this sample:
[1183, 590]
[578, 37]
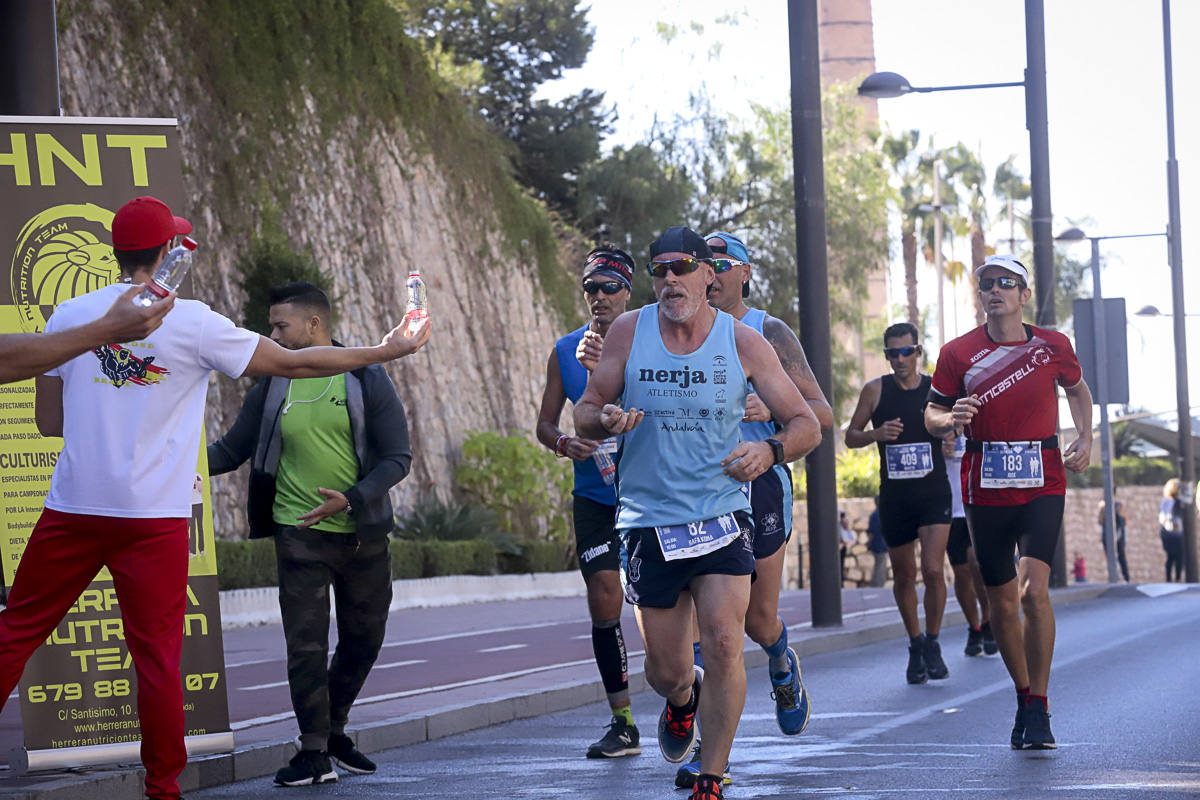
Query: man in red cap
[130, 416]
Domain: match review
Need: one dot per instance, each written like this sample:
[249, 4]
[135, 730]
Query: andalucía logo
[121, 366]
[59, 256]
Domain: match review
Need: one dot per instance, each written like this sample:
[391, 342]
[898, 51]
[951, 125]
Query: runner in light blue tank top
[670, 465]
[672, 383]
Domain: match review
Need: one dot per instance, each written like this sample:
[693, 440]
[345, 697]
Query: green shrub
[245, 564]
[537, 557]
[458, 558]
[858, 472]
[1127, 471]
[408, 560]
[432, 519]
[523, 483]
[272, 261]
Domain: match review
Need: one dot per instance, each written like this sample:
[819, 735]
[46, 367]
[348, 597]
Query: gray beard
[685, 312]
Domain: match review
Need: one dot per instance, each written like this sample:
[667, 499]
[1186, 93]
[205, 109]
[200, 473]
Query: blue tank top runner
[670, 466]
[588, 482]
[757, 431]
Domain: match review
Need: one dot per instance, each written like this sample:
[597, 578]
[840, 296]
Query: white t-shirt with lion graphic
[132, 411]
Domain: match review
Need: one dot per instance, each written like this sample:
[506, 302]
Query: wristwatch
[348, 509]
[776, 450]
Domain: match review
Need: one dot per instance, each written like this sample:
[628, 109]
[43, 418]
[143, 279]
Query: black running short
[959, 542]
[595, 535]
[653, 582]
[1032, 528]
[900, 516]
[770, 503]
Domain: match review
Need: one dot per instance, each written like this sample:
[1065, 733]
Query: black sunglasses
[898, 352]
[608, 287]
[678, 266]
[1004, 282]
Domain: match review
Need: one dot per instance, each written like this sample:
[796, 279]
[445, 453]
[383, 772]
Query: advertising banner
[62, 179]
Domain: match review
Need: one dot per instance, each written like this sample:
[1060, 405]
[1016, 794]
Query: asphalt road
[1124, 699]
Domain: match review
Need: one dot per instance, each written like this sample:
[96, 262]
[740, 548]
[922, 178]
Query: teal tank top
[670, 469]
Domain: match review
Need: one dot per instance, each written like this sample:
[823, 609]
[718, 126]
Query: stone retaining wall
[1143, 547]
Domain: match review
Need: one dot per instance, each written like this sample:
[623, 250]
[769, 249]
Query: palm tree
[965, 169]
[900, 150]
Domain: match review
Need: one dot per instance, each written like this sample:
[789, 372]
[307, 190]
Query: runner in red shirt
[997, 384]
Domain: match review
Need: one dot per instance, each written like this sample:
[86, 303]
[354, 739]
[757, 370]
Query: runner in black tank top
[909, 406]
[914, 497]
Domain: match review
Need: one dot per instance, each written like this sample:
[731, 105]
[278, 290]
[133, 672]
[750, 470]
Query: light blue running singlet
[670, 468]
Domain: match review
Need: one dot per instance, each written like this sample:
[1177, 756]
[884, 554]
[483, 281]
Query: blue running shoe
[677, 731]
[685, 776]
[792, 706]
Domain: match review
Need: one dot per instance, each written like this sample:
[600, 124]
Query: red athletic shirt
[1015, 382]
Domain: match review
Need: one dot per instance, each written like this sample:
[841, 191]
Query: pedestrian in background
[847, 539]
[1170, 528]
[878, 547]
[1080, 568]
[1102, 518]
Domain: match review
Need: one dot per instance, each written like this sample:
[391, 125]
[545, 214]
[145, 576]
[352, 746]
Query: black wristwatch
[776, 449]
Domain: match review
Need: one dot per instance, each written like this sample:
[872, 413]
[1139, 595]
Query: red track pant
[148, 559]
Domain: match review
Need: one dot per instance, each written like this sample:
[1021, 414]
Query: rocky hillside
[322, 120]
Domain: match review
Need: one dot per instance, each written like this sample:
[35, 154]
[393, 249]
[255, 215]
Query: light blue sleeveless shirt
[670, 469]
[757, 431]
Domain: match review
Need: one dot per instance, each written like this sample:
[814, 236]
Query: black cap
[680, 239]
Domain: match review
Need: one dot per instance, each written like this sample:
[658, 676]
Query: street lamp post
[1187, 468]
[1100, 338]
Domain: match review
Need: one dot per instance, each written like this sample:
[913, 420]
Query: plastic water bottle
[170, 273]
[606, 465]
[418, 305]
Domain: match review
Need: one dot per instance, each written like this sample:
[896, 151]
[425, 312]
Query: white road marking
[394, 664]
[262, 686]
[582, 636]
[380, 698]
[486, 632]
[502, 647]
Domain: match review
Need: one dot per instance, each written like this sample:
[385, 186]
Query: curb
[258, 760]
[260, 605]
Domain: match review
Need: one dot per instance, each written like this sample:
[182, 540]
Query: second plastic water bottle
[606, 465]
[418, 304]
[170, 273]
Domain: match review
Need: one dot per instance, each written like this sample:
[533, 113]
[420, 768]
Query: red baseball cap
[146, 222]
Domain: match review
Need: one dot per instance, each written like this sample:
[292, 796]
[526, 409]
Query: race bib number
[1011, 465]
[908, 461]
[960, 447]
[609, 446]
[695, 539]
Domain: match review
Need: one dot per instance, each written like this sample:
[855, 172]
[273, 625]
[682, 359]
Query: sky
[1106, 101]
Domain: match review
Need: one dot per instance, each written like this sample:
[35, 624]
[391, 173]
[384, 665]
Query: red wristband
[560, 443]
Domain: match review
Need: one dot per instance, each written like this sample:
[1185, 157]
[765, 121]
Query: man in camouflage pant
[325, 453]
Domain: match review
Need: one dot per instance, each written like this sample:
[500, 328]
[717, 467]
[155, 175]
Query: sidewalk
[869, 616]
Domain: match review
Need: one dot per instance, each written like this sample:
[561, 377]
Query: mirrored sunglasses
[678, 266]
[608, 287]
[1004, 282]
[901, 352]
[725, 264]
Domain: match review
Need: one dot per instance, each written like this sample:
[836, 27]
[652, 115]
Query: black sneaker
[974, 642]
[306, 768]
[989, 642]
[935, 667]
[1017, 739]
[348, 757]
[916, 663]
[621, 739]
[677, 731]
[1037, 726]
[685, 776]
